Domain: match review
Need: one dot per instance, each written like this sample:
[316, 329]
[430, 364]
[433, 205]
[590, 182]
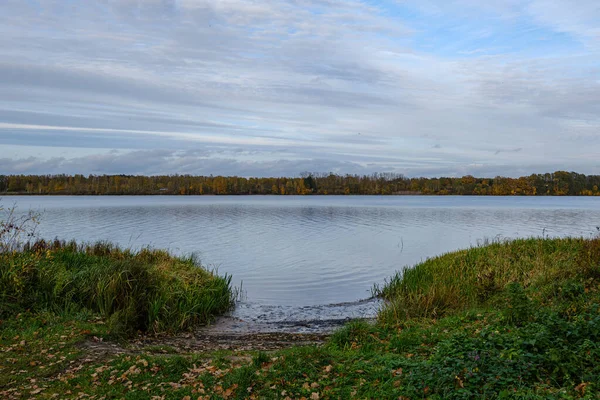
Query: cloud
[155, 162]
[581, 20]
[518, 149]
[274, 86]
[206, 161]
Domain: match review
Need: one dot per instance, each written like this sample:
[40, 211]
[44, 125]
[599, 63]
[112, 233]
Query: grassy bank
[484, 276]
[508, 320]
[147, 290]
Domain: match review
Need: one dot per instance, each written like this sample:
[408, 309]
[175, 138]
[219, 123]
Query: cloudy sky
[275, 88]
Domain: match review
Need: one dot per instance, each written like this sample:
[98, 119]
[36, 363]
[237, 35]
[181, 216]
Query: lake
[301, 256]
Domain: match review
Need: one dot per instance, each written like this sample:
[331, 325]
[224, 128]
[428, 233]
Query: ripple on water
[256, 317]
[296, 252]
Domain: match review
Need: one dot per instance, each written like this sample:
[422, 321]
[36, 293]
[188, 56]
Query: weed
[260, 358]
[17, 230]
[518, 307]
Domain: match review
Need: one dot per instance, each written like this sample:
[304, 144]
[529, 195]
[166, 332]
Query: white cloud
[298, 80]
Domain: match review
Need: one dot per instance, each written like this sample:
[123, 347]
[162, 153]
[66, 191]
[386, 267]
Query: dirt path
[200, 342]
[225, 334]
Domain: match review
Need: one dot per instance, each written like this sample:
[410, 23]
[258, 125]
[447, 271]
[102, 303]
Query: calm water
[309, 251]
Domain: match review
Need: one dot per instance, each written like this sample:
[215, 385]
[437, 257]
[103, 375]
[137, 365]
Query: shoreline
[480, 322]
[9, 194]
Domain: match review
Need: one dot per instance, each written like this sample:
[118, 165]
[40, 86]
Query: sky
[277, 88]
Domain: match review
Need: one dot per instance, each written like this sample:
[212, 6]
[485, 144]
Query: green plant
[148, 290]
[260, 358]
[479, 276]
[545, 346]
[351, 334]
[518, 307]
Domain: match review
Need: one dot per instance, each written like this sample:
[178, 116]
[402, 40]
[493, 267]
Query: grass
[517, 320]
[479, 276]
[38, 346]
[148, 290]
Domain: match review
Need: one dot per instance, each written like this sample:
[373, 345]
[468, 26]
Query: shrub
[518, 306]
[16, 230]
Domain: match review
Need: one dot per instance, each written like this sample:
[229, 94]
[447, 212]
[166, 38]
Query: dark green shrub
[518, 306]
[572, 290]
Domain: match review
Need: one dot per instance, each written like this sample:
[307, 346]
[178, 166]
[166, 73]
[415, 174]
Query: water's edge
[249, 318]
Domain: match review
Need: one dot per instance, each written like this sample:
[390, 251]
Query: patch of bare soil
[226, 333]
[205, 342]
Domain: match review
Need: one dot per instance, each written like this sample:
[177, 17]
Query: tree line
[559, 183]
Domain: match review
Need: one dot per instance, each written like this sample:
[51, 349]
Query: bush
[16, 230]
[518, 306]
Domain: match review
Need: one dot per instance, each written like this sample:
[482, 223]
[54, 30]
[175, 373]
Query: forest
[559, 183]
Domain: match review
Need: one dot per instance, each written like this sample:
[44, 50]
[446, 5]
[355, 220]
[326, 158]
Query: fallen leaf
[459, 382]
[581, 387]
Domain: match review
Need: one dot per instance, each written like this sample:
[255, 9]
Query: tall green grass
[146, 290]
[480, 276]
